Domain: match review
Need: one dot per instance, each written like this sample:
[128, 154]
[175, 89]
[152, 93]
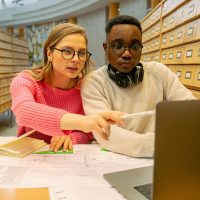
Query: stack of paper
[21, 146]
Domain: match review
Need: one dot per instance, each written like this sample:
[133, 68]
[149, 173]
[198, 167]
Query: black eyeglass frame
[124, 48]
[88, 54]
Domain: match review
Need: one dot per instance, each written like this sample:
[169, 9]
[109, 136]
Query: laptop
[176, 171]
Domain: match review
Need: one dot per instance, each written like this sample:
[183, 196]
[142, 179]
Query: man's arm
[127, 142]
[122, 141]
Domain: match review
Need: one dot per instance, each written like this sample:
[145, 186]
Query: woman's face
[65, 65]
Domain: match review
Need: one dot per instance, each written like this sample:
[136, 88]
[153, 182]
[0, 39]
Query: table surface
[74, 176]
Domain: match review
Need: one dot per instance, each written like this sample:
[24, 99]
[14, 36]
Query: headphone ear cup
[123, 80]
[117, 77]
[138, 75]
[141, 74]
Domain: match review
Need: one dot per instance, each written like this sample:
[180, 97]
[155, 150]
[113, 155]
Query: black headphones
[126, 79]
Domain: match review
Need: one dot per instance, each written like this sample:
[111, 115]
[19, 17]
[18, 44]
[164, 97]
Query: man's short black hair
[122, 19]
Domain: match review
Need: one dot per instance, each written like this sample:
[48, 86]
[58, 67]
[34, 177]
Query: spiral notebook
[21, 146]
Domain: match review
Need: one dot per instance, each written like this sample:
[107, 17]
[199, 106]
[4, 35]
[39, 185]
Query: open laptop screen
[177, 157]
[177, 151]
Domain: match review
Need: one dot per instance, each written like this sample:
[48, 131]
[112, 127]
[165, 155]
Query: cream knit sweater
[100, 93]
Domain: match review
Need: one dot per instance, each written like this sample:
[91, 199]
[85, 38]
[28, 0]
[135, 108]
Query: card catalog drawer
[179, 16]
[191, 31]
[164, 55]
[170, 58]
[198, 29]
[5, 37]
[5, 53]
[190, 9]
[164, 43]
[198, 8]
[166, 7]
[4, 90]
[192, 53]
[196, 82]
[179, 52]
[168, 22]
[179, 72]
[188, 74]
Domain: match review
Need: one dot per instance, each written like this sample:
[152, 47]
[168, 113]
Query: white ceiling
[14, 3]
[22, 12]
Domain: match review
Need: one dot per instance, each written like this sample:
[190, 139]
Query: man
[129, 85]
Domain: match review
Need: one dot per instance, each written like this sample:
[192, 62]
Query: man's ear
[49, 54]
[105, 46]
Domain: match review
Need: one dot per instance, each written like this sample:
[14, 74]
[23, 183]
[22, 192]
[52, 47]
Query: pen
[145, 113]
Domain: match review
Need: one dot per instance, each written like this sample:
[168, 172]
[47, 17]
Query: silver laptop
[176, 171]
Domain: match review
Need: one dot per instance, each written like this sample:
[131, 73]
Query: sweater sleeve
[128, 142]
[120, 140]
[29, 113]
[79, 137]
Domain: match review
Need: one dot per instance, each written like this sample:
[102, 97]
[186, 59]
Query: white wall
[94, 23]
[136, 8]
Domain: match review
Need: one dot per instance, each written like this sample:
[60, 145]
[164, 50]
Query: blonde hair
[44, 71]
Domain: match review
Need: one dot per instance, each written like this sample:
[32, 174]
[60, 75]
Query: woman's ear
[49, 54]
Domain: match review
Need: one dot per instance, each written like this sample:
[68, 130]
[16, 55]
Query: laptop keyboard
[145, 190]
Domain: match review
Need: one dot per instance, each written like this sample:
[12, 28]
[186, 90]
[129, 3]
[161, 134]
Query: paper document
[65, 174]
[145, 113]
[21, 146]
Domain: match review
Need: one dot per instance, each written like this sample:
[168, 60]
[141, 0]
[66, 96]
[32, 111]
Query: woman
[47, 99]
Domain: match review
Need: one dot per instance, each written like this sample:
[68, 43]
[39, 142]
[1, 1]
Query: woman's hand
[58, 142]
[101, 122]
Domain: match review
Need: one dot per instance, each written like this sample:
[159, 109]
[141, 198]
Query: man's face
[120, 36]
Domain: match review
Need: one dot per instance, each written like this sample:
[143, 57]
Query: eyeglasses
[68, 54]
[119, 48]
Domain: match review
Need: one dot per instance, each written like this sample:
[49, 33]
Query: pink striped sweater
[40, 107]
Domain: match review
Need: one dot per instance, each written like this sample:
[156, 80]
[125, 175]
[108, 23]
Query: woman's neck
[64, 84]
